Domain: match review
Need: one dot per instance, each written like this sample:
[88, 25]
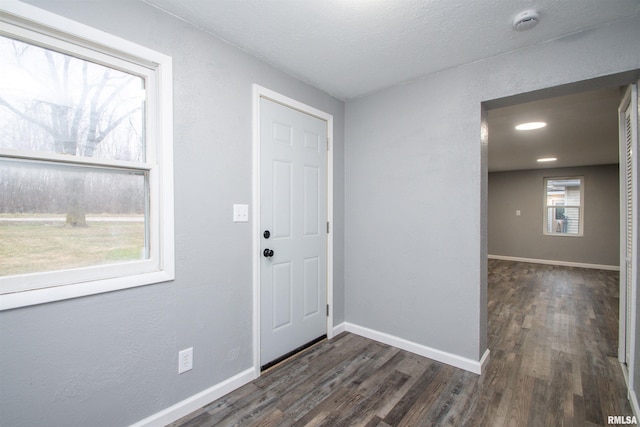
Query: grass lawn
[29, 247]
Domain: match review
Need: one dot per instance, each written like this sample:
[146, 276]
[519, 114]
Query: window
[86, 186]
[563, 213]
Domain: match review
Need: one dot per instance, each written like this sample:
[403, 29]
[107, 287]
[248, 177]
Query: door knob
[268, 253]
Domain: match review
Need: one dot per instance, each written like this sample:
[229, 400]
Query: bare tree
[84, 104]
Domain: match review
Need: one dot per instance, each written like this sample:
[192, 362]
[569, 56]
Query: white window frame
[36, 26]
[546, 207]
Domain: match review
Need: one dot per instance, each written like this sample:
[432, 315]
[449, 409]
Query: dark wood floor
[553, 342]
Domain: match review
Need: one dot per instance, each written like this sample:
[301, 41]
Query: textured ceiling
[582, 129]
[349, 48]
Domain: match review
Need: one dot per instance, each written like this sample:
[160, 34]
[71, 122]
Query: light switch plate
[185, 360]
[240, 213]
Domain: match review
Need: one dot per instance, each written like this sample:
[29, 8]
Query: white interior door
[293, 218]
[628, 119]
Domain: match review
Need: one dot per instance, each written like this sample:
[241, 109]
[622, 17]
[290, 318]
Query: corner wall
[415, 184]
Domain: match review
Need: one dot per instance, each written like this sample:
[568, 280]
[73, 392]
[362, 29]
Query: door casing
[262, 92]
[628, 312]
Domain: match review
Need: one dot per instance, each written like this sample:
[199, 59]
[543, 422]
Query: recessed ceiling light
[547, 159]
[531, 125]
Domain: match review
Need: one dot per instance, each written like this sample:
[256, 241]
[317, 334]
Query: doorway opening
[503, 217]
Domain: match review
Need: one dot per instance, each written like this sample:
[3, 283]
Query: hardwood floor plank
[411, 396]
[476, 404]
[308, 395]
[419, 413]
[518, 414]
[343, 409]
[322, 397]
[563, 370]
[578, 411]
[576, 378]
[362, 411]
[552, 332]
[233, 402]
[538, 405]
[385, 407]
[273, 418]
[592, 406]
[443, 411]
[195, 419]
[376, 422]
[318, 414]
[370, 384]
[376, 397]
[509, 381]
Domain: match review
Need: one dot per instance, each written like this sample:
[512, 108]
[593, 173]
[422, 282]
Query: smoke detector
[526, 20]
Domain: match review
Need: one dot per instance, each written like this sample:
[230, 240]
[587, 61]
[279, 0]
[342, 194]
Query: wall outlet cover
[240, 213]
[185, 360]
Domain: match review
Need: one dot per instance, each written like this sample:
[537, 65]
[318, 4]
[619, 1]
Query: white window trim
[546, 211]
[18, 17]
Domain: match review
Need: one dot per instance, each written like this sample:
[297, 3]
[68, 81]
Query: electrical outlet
[240, 213]
[185, 360]
[233, 353]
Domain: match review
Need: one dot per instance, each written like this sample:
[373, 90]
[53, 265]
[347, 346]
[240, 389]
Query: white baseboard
[467, 364]
[633, 398]
[631, 395]
[339, 329]
[197, 401]
[554, 262]
[484, 360]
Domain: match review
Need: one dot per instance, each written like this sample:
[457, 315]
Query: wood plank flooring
[553, 341]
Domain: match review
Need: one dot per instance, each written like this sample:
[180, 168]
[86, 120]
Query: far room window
[564, 201]
[85, 161]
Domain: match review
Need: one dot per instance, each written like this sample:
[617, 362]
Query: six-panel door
[293, 208]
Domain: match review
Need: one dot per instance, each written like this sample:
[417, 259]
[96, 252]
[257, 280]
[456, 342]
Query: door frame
[623, 78]
[628, 347]
[258, 93]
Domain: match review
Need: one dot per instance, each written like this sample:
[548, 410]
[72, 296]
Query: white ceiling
[350, 48]
[582, 129]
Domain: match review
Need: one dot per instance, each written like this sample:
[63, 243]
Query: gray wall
[111, 359]
[415, 178]
[521, 236]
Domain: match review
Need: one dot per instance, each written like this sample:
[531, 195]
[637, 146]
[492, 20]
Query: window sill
[58, 293]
